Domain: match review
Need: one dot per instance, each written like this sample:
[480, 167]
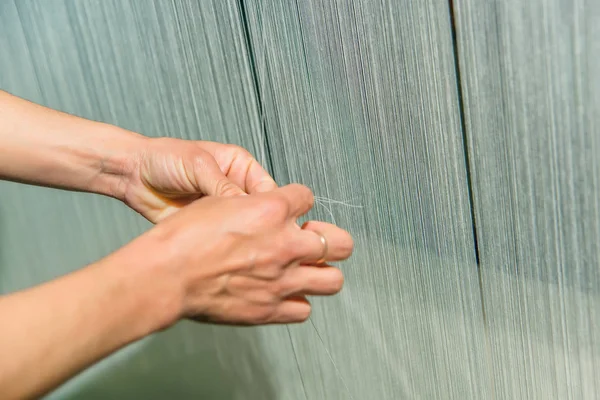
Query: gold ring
[325, 249]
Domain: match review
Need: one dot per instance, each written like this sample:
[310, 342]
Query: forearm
[51, 332]
[49, 148]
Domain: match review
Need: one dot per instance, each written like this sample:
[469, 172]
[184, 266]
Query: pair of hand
[225, 256]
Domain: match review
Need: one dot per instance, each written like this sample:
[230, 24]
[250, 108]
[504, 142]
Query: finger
[212, 181]
[241, 167]
[258, 179]
[299, 198]
[339, 243]
[311, 280]
[292, 310]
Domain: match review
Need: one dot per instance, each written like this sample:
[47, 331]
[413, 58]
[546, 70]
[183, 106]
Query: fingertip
[300, 198]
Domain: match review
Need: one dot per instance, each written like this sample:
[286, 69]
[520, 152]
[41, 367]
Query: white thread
[326, 208]
[326, 204]
[340, 202]
[331, 359]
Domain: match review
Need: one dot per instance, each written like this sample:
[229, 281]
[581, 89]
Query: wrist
[116, 161]
[154, 292]
[45, 147]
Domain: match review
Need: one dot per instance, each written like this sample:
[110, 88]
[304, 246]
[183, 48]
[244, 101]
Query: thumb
[267, 184]
[213, 182]
[225, 188]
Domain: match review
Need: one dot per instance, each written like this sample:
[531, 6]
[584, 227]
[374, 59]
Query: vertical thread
[463, 128]
[468, 165]
[255, 80]
[267, 149]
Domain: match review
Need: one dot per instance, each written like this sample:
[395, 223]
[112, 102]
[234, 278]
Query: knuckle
[267, 254]
[274, 208]
[265, 260]
[226, 188]
[269, 265]
[277, 288]
[238, 151]
[200, 159]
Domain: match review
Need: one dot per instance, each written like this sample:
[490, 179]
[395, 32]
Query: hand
[168, 174]
[155, 177]
[238, 260]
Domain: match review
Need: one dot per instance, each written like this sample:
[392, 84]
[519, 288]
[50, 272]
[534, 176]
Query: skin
[225, 249]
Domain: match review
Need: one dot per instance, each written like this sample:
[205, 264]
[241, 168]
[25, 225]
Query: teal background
[456, 142]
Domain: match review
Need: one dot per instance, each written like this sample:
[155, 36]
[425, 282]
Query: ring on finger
[323, 257]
